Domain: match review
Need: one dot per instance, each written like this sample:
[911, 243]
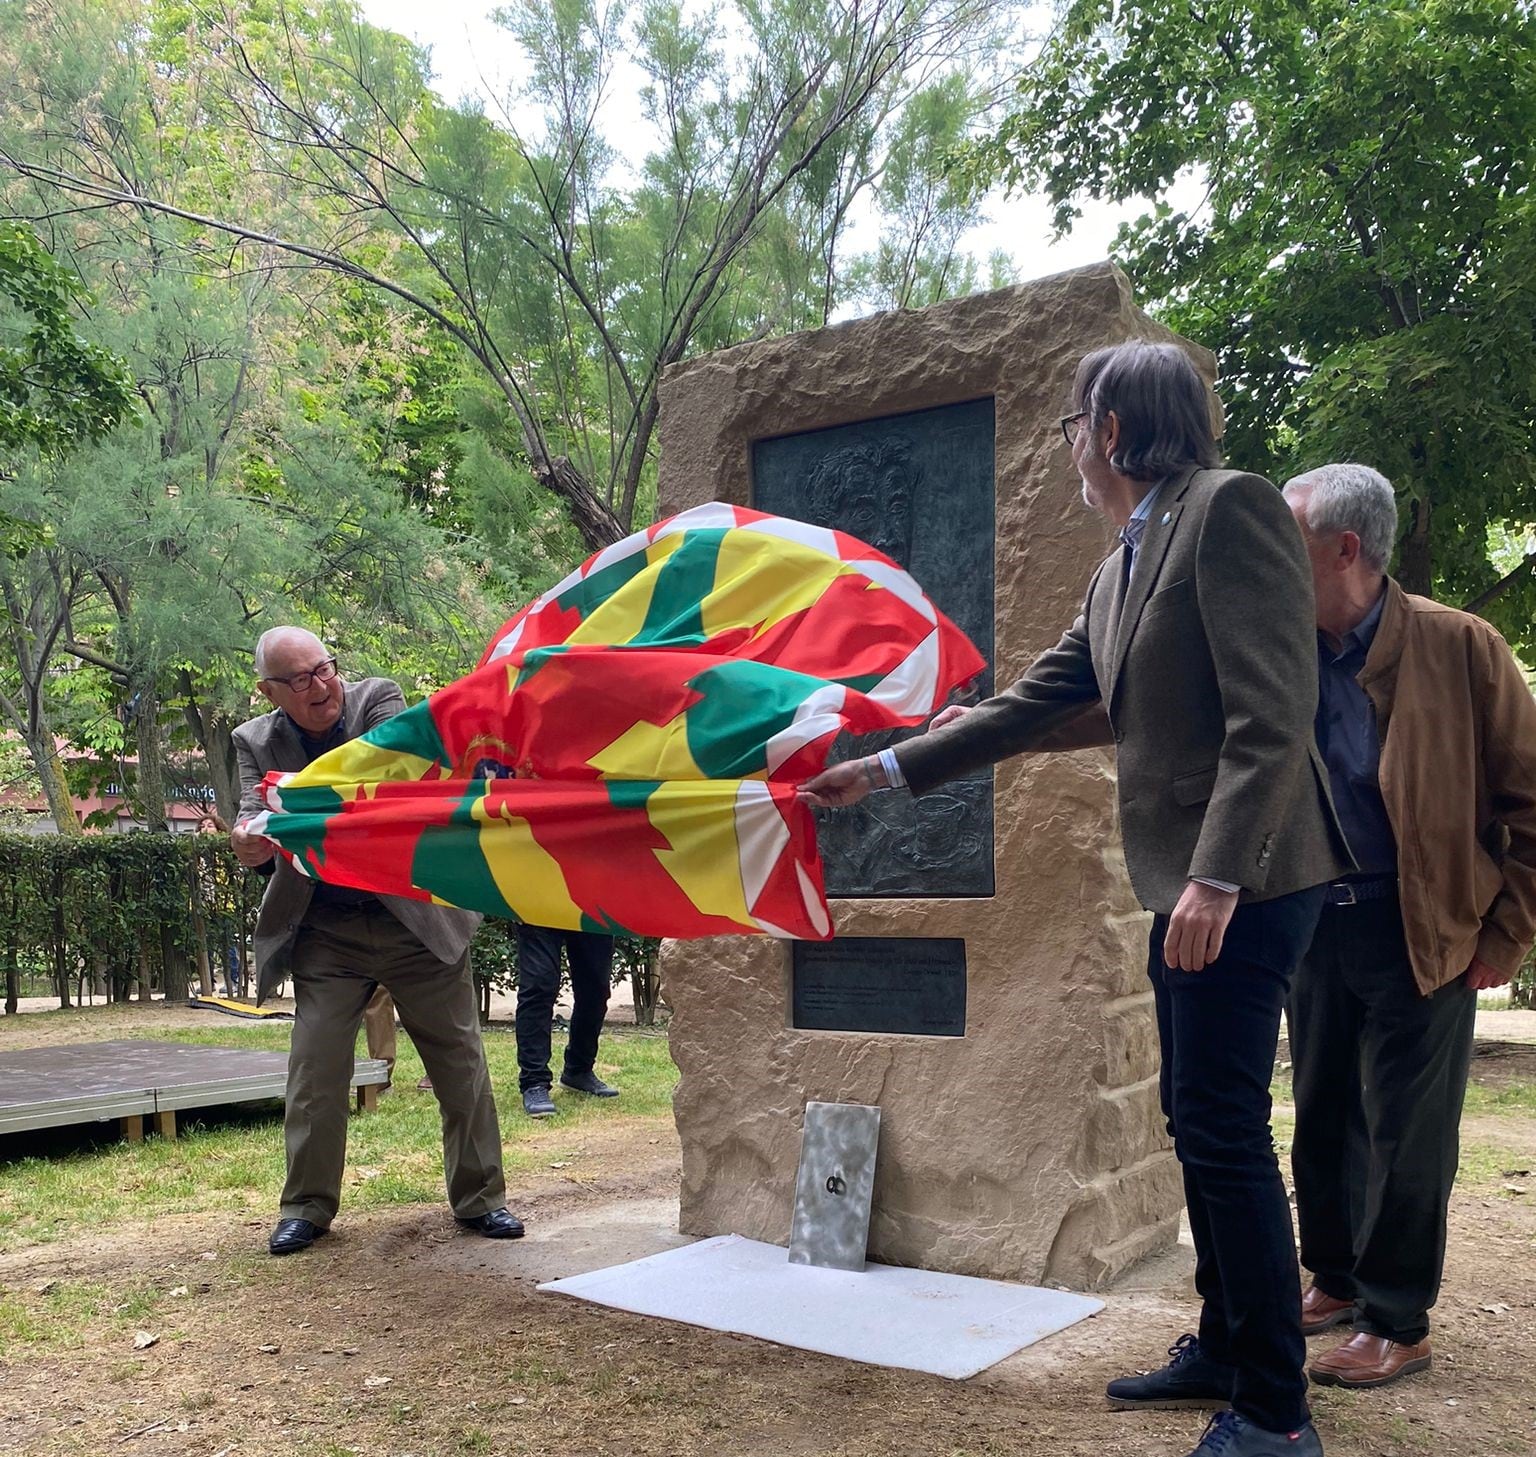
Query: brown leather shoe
[1321, 1312]
[1367, 1360]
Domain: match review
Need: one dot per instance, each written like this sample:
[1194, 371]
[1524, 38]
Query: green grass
[1512, 1098]
[232, 1160]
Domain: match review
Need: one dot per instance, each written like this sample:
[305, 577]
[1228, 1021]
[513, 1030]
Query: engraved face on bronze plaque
[919, 487]
[905, 984]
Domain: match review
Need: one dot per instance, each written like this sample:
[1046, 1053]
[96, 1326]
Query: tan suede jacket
[1458, 775]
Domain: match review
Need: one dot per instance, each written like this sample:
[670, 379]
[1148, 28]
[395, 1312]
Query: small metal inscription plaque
[919, 487]
[905, 984]
[835, 1185]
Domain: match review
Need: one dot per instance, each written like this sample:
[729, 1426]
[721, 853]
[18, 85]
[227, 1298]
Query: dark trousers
[1380, 1074]
[1219, 1029]
[538, 983]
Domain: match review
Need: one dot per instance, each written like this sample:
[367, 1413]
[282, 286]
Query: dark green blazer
[1202, 670]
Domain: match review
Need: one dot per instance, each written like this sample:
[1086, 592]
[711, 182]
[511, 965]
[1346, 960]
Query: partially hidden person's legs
[538, 984]
[1415, 1052]
[330, 991]
[441, 1013]
[1324, 1019]
[379, 1024]
[591, 962]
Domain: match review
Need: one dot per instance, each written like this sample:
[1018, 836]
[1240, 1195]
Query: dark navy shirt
[1350, 745]
[325, 894]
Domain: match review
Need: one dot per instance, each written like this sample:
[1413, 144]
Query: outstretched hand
[949, 715]
[843, 784]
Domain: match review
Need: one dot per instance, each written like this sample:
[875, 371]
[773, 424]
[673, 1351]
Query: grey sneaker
[537, 1103]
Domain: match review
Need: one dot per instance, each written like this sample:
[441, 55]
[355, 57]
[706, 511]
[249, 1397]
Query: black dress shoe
[293, 1235]
[498, 1224]
[588, 1083]
[1190, 1379]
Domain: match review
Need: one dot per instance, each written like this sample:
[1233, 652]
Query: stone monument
[987, 988]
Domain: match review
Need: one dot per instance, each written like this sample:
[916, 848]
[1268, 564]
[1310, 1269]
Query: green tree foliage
[278, 465]
[569, 277]
[1364, 257]
[56, 387]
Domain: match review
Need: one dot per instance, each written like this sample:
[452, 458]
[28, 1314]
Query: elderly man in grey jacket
[339, 945]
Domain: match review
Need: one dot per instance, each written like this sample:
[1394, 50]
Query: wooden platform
[91, 1082]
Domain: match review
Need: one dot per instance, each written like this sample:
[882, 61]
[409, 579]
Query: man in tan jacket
[1194, 656]
[1429, 732]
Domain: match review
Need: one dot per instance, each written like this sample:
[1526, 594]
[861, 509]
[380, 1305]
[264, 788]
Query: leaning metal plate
[836, 1183]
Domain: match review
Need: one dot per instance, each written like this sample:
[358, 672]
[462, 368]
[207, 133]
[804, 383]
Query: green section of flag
[631, 793]
[603, 924]
[301, 826]
[412, 732]
[742, 706]
[587, 595]
[449, 863]
[675, 614]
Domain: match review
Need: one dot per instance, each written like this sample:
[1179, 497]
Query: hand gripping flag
[625, 756]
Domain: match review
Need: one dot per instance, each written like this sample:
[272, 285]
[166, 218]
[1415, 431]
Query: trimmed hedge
[141, 913]
[121, 914]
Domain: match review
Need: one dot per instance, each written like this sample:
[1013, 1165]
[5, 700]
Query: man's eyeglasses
[303, 682]
[1070, 425]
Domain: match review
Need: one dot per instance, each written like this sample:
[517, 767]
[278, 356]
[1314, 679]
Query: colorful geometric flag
[625, 756]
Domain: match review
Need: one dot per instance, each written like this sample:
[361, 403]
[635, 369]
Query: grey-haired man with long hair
[1429, 733]
[1194, 656]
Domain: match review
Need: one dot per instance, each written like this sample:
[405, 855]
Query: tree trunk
[144, 974]
[645, 985]
[50, 773]
[215, 736]
[223, 768]
[12, 978]
[60, 972]
[1414, 564]
[173, 966]
[149, 790]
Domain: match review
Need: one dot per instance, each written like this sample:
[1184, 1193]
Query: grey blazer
[1202, 670]
[270, 742]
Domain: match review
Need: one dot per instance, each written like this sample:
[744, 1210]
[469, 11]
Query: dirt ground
[400, 1337]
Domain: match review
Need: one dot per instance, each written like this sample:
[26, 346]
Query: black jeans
[538, 983]
[1219, 1029]
[1380, 1072]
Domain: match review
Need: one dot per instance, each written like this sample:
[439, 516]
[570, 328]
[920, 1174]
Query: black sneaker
[537, 1103]
[1190, 1379]
[1230, 1435]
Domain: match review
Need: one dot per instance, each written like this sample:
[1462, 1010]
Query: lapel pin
[1167, 517]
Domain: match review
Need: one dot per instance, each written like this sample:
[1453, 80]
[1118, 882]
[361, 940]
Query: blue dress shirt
[1350, 744]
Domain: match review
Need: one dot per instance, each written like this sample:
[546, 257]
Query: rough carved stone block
[1030, 1147]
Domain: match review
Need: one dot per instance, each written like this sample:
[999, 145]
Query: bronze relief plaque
[920, 487]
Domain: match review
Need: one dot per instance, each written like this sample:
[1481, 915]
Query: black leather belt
[1352, 892]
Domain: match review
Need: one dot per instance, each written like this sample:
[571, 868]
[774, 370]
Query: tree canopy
[393, 361]
[1363, 256]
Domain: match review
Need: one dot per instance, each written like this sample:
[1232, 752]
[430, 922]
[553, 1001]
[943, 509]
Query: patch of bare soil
[400, 1335]
[1497, 1064]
